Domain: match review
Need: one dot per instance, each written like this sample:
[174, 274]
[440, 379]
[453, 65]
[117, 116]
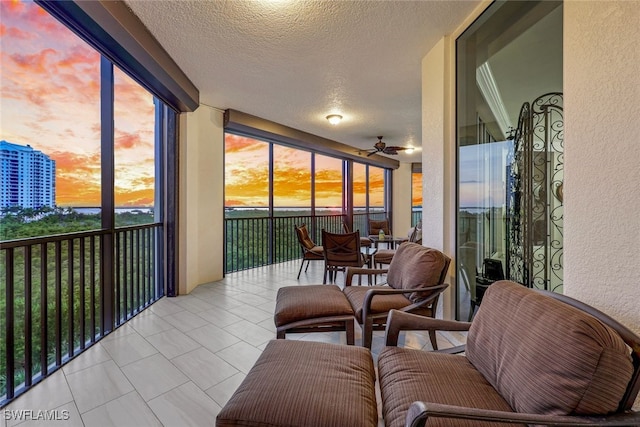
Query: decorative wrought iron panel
[534, 195]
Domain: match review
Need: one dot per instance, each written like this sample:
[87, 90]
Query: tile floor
[178, 362]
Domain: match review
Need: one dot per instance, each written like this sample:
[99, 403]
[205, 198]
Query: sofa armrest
[399, 321]
[419, 412]
[355, 271]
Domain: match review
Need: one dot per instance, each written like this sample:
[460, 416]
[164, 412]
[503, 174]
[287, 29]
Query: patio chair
[341, 250]
[384, 256]
[310, 251]
[376, 225]
[415, 280]
[365, 242]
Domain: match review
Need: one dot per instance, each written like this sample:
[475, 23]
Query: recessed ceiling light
[334, 119]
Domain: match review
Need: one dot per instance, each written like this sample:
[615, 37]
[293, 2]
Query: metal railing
[258, 241]
[52, 297]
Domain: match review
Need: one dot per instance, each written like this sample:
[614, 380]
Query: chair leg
[432, 337]
[367, 333]
[308, 262]
[301, 265]
[349, 326]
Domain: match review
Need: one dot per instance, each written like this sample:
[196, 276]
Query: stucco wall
[401, 199]
[201, 204]
[602, 149]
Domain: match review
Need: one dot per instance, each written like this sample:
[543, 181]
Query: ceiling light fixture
[334, 119]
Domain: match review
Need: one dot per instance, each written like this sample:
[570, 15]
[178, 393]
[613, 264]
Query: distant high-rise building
[27, 177]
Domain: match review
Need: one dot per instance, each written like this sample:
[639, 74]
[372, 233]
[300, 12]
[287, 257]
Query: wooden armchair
[415, 280]
[531, 358]
[310, 251]
[341, 250]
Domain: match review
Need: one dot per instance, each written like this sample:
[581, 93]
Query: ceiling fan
[382, 147]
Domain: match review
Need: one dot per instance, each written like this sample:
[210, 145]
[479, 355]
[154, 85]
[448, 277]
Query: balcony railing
[53, 298]
[258, 241]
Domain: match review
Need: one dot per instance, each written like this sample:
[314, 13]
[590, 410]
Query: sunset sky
[50, 85]
[247, 177]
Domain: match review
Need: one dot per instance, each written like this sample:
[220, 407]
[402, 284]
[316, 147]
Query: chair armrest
[419, 412]
[351, 271]
[371, 293]
[399, 321]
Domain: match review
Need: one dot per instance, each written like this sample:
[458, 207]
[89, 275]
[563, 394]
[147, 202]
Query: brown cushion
[384, 256]
[304, 383]
[376, 226]
[380, 304]
[295, 303]
[303, 237]
[408, 375]
[416, 266]
[317, 250]
[546, 357]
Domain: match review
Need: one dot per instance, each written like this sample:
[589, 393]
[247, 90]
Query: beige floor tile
[213, 338]
[129, 348]
[250, 332]
[172, 343]
[186, 321]
[223, 391]
[240, 355]
[98, 385]
[147, 324]
[128, 410]
[51, 393]
[204, 368]
[218, 317]
[193, 304]
[123, 330]
[165, 307]
[153, 376]
[91, 357]
[251, 314]
[186, 405]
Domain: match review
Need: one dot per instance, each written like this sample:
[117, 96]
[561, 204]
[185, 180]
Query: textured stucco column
[602, 151]
[438, 161]
[201, 204]
[401, 200]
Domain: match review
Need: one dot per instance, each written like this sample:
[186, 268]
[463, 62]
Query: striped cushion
[415, 266]
[546, 357]
[408, 375]
[380, 304]
[295, 303]
[304, 383]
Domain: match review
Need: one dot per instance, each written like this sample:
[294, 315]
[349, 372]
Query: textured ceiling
[294, 62]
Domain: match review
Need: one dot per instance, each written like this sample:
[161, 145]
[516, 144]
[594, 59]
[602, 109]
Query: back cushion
[376, 226]
[416, 266]
[546, 357]
[303, 235]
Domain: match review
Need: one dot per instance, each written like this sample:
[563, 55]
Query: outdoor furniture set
[531, 358]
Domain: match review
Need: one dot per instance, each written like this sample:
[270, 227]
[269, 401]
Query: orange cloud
[144, 197]
[126, 141]
[34, 63]
[236, 143]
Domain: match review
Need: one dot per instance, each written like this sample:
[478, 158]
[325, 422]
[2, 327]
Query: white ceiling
[294, 62]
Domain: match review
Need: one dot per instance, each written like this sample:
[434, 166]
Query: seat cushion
[408, 375]
[317, 250]
[384, 256]
[304, 383]
[415, 266]
[294, 303]
[380, 304]
[546, 357]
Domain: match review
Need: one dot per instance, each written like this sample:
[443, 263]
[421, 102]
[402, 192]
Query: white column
[201, 198]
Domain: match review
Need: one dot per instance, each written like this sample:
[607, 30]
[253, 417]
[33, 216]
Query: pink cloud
[34, 63]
